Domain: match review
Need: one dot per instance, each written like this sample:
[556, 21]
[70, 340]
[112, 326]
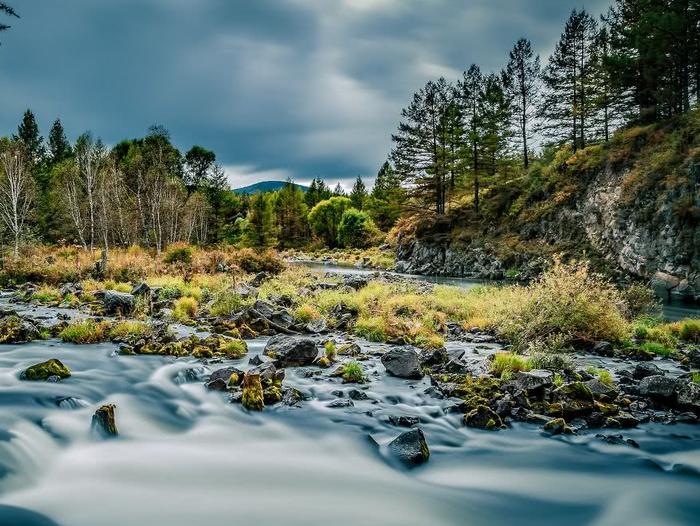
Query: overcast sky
[277, 88]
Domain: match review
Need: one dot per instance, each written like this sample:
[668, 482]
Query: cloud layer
[299, 88]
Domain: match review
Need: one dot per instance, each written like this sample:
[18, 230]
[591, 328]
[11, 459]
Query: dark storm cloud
[276, 87]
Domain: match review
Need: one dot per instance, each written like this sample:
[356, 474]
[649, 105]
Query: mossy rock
[44, 370]
[201, 351]
[272, 394]
[483, 417]
[558, 426]
[476, 391]
[14, 329]
[104, 422]
[253, 397]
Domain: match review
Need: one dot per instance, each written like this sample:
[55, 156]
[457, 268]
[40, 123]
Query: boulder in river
[658, 387]
[290, 351]
[14, 329]
[575, 399]
[104, 422]
[118, 303]
[644, 369]
[403, 362]
[410, 447]
[252, 393]
[689, 395]
[534, 380]
[483, 417]
[44, 370]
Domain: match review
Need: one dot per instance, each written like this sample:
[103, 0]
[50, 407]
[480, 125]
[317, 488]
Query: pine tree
[494, 120]
[291, 215]
[384, 203]
[28, 134]
[318, 191]
[470, 92]
[198, 162]
[9, 11]
[339, 191]
[521, 82]
[358, 196]
[567, 107]
[59, 147]
[260, 225]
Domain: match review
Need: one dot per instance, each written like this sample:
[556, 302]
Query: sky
[277, 88]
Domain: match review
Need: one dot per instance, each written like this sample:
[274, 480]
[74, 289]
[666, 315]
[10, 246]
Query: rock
[602, 349]
[356, 394]
[694, 357]
[410, 447]
[292, 397]
[599, 389]
[341, 402]
[217, 385]
[689, 395]
[534, 380]
[118, 303]
[644, 369]
[268, 372]
[290, 351]
[283, 319]
[68, 289]
[355, 281]
[104, 422]
[259, 279]
[658, 387]
[402, 362]
[44, 370]
[253, 398]
[256, 359]
[404, 421]
[430, 357]
[142, 289]
[575, 398]
[316, 326]
[264, 308]
[557, 427]
[14, 329]
[483, 417]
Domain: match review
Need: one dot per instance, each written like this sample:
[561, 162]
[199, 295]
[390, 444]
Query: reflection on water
[186, 456]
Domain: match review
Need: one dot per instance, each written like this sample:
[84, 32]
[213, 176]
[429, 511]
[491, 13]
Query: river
[187, 456]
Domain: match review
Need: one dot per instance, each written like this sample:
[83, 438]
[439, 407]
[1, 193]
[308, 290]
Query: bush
[185, 308]
[178, 253]
[325, 217]
[84, 332]
[356, 229]
[690, 331]
[234, 349]
[639, 299]
[128, 328]
[352, 372]
[226, 303]
[254, 261]
[656, 348]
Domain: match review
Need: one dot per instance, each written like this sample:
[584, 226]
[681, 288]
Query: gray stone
[290, 351]
[402, 362]
[689, 395]
[410, 447]
[118, 303]
[658, 386]
[644, 369]
[534, 380]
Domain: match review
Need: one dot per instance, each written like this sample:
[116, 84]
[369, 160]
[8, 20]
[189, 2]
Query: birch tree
[16, 191]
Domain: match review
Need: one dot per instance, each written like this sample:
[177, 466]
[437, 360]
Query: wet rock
[104, 422]
[14, 329]
[217, 385]
[340, 402]
[456, 366]
[574, 399]
[429, 357]
[602, 349]
[290, 351]
[44, 370]
[118, 303]
[644, 369]
[255, 360]
[402, 362]
[617, 440]
[356, 394]
[268, 372]
[658, 387]
[253, 398]
[349, 349]
[68, 289]
[557, 427]
[142, 289]
[483, 417]
[534, 380]
[292, 397]
[316, 326]
[404, 421]
[694, 357]
[410, 447]
[600, 389]
[689, 395]
[355, 281]
[283, 319]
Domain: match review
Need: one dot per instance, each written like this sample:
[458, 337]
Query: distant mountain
[265, 186]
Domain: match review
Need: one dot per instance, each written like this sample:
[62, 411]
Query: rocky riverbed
[355, 416]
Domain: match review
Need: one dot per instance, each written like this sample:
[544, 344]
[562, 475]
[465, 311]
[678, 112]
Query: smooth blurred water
[186, 456]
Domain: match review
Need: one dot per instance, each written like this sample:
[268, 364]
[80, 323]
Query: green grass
[330, 350]
[696, 377]
[227, 303]
[46, 294]
[234, 349]
[124, 329]
[603, 375]
[353, 372]
[185, 309]
[85, 331]
[505, 363]
[656, 348]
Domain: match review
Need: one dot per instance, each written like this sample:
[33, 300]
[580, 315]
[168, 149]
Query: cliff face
[654, 235]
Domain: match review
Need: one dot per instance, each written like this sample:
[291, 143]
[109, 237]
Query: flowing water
[186, 455]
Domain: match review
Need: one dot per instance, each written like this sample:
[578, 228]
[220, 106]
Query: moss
[483, 417]
[233, 349]
[476, 391]
[330, 351]
[202, 352]
[557, 426]
[14, 329]
[324, 362]
[104, 421]
[46, 295]
[253, 398]
[504, 362]
[656, 348]
[44, 370]
[272, 394]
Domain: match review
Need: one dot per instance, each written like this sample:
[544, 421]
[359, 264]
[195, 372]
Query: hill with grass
[631, 206]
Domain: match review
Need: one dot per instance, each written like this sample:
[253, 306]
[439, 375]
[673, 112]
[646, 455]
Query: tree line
[639, 63]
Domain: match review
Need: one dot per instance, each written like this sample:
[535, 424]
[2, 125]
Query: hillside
[265, 186]
[631, 206]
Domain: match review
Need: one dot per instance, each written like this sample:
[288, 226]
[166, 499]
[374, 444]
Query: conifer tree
[358, 196]
[291, 215]
[59, 147]
[260, 225]
[28, 134]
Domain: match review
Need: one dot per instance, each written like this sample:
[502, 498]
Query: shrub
[46, 294]
[325, 218]
[185, 308]
[550, 361]
[505, 362]
[690, 331]
[234, 349]
[226, 303]
[639, 299]
[696, 377]
[352, 372]
[178, 253]
[85, 331]
[254, 261]
[356, 229]
[330, 352]
[306, 313]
